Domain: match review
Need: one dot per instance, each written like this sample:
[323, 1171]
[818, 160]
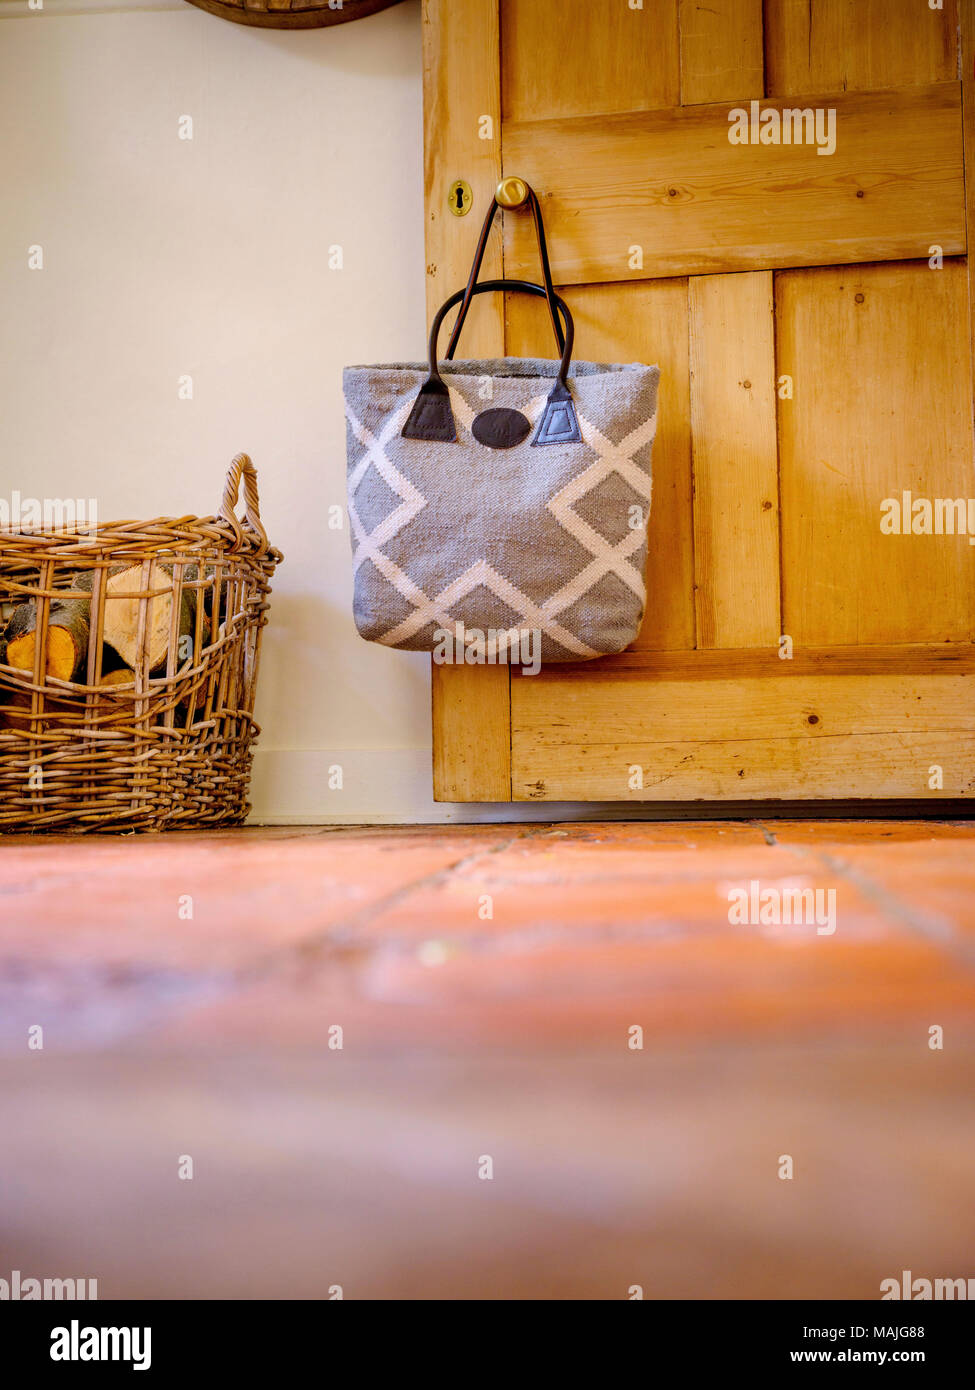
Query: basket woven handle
[242, 467]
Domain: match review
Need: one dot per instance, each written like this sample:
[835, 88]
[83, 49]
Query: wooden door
[811, 313]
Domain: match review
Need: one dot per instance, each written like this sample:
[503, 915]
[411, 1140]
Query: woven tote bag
[499, 509]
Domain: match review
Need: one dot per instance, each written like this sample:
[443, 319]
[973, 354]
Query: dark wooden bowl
[291, 14]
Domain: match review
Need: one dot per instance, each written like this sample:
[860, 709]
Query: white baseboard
[380, 786]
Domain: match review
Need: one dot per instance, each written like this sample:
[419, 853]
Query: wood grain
[736, 495]
[967, 61]
[471, 712]
[471, 733]
[672, 183]
[810, 736]
[599, 712]
[851, 45]
[880, 357]
[721, 50]
[640, 323]
[576, 58]
[767, 770]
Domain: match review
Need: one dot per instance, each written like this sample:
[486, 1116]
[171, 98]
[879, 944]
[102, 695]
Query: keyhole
[459, 198]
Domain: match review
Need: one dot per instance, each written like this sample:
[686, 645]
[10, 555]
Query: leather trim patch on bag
[431, 416]
[500, 428]
[558, 424]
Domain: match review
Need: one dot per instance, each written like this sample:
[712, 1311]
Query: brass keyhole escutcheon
[460, 198]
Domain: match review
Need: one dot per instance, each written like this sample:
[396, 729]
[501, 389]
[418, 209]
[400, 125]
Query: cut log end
[132, 634]
[67, 644]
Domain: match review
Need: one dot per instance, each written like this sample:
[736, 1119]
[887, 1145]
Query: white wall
[210, 257]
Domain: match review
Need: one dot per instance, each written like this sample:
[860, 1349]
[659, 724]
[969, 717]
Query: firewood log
[120, 627]
[12, 711]
[67, 637]
[15, 705]
[15, 712]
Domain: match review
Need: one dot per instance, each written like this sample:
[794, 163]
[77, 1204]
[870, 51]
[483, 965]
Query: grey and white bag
[500, 507]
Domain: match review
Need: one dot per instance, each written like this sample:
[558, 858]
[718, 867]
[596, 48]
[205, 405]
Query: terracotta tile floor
[486, 980]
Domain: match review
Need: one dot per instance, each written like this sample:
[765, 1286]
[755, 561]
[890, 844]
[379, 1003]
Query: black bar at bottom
[467, 1341]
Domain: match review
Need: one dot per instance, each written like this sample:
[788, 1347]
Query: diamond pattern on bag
[375, 498]
[537, 540]
[482, 609]
[606, 508]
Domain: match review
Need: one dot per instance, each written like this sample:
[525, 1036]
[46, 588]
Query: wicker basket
[160, 736]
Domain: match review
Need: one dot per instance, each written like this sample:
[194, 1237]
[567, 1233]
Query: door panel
[736, 486]
[856, 45]
[814, 363]
[671, 184]
[618, 736]
[721, 55]
[880, 359]
[577, 58]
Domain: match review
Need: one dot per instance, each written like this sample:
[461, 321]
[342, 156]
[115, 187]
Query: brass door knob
[512, 193]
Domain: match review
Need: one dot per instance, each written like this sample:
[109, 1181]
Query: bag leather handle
[431, 417]
[482, 240]
[556, 302]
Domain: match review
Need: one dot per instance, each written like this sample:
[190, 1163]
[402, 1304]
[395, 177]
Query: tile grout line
[769, 835]
[315, 945]
[933, 929]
